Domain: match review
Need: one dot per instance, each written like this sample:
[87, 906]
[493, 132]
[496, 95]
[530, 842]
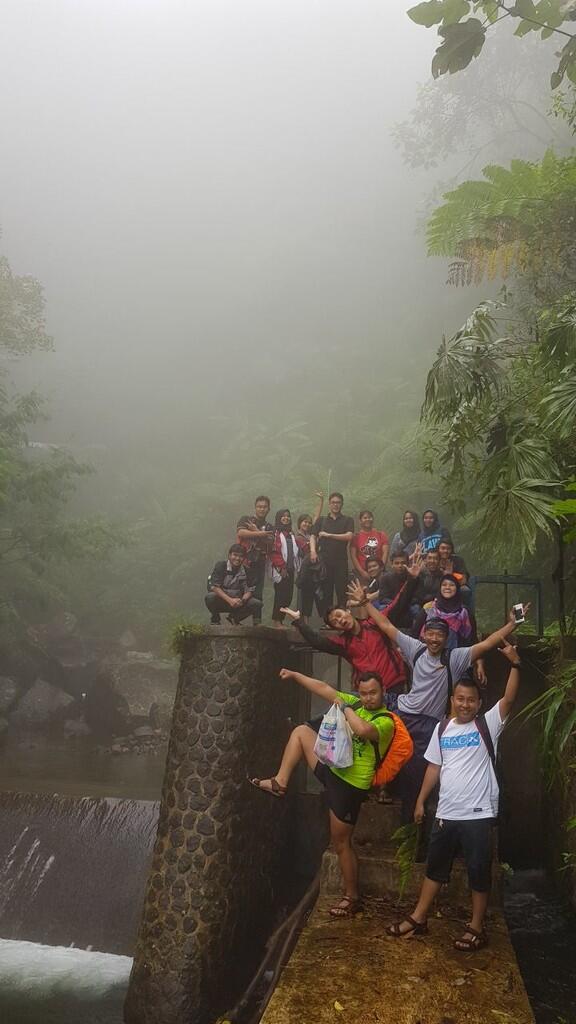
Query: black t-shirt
[333, 551]
[255, 553]
[390, 584]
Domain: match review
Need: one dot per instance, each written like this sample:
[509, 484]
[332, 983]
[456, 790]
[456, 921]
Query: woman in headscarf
[432, 532]
[284, 563]
[405, 541]
[448, 607]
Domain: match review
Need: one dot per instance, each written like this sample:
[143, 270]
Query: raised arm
[316, 686]
[316, 640]
[513, 683]
[480, 649]
[319, 507]
[356, 593]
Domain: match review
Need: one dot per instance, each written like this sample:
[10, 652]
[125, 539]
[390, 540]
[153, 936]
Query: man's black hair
[236, 549]
[373, 558]
[445, 540]
[364, 677]
[336, 494]
[471, 684]
[439, 624]
[305, 515]
[400, 554]
[365, 512]
[263, 497]
[334, 608]
[433, 551]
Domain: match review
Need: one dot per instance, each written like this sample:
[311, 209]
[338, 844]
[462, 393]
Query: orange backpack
[399, 752]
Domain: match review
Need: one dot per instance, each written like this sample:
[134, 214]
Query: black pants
[283, 592]
[255, 575]
[215, 605]
[473, 839]
[306, 598]
[336, 580]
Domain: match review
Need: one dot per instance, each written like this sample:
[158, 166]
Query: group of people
[403, 618]
[323, 553]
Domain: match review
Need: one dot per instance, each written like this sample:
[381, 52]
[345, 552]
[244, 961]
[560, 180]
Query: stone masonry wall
[220, 842]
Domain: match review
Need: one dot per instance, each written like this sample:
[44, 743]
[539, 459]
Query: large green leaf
[462, 42]
[428, 13]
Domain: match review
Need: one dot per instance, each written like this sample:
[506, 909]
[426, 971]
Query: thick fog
[204, 188]
[230, 242]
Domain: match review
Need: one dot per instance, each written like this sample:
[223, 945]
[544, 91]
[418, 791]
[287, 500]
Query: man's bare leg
[341, 836]
[299, 746]
[479, 907]
[428, 894]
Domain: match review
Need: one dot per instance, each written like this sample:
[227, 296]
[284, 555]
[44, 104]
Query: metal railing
[505, 581]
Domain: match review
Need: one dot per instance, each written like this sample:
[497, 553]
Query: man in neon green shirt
[346, 788]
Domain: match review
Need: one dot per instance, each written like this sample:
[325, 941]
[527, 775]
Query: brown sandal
[416, 928]
[275, 788]
[353, 907]
[478, 940]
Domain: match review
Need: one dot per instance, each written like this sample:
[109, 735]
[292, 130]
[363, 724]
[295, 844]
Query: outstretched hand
[416, 566]
[356, 593]
[290, 613]
[525, 610]
[286, 673]
[510, 652]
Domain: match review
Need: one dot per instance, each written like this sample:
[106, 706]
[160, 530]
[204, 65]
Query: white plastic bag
[334, 741]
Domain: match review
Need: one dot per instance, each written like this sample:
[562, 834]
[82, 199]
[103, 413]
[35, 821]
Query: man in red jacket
[366, 648]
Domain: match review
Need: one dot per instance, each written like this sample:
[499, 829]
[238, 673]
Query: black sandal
[275, 790]
[478, 940]
[416, 928]
[353, 907]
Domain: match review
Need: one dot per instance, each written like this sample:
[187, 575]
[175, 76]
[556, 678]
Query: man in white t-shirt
[461, 757]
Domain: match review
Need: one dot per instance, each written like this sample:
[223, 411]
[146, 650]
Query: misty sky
[204, 183]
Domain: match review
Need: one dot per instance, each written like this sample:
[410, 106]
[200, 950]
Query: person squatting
[409, 634]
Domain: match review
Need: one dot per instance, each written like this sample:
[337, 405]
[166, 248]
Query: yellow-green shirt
[361, 771]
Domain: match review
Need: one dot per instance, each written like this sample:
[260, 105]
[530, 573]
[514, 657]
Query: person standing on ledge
[329, 540]
[256, 534]
[346, 788]
[461, 756]
[368, 543]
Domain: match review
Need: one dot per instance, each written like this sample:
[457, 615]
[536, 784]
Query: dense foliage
[465, 25]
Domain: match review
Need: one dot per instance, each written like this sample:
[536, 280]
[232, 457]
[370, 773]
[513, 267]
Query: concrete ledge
[376, 979]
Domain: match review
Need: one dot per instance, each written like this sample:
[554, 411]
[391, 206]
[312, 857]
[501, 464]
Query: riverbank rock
[9, 693]
[41, 705]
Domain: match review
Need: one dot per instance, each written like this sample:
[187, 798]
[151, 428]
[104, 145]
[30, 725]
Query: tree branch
[532, 21]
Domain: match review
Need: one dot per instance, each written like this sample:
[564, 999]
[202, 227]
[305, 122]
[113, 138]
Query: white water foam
[55, 985]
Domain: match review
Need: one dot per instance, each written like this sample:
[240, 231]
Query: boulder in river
[40, 706]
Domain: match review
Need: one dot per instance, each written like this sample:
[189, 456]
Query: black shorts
[344, 800]
[473, 838]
